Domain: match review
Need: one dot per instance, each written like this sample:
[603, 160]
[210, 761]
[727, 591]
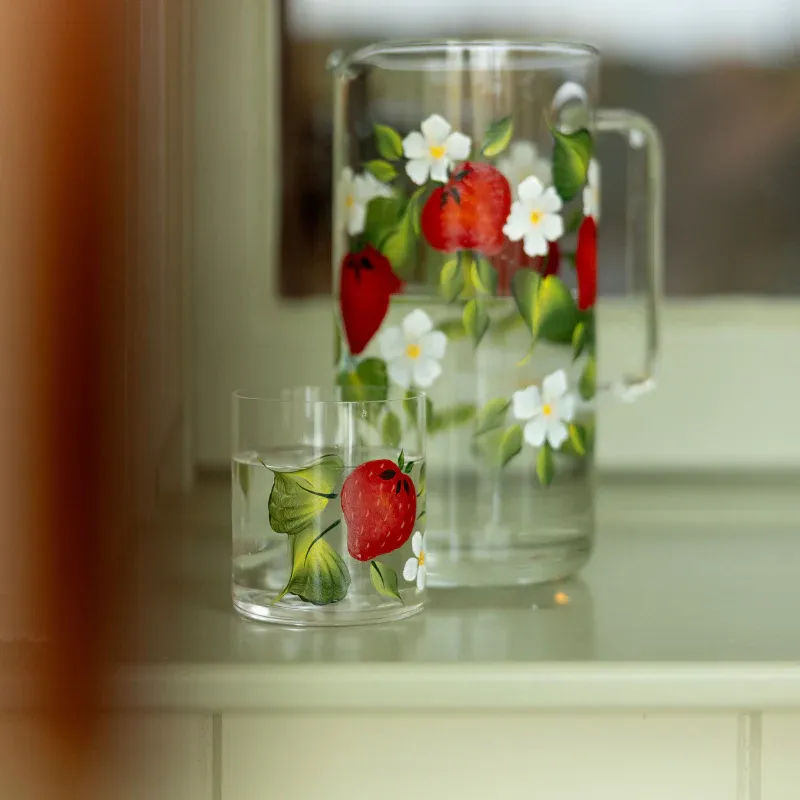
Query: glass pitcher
[467, 205]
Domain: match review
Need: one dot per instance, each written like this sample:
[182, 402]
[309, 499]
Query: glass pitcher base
[536, 563]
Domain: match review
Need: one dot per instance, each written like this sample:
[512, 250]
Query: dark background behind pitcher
[723, 89]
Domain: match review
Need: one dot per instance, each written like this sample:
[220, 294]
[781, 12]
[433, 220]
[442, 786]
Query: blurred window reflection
[720, 79]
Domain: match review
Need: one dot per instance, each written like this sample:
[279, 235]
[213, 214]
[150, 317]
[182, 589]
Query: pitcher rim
[566, 49]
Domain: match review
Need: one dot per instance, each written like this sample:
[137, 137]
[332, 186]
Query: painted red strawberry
[553, 259]
[469, 211]
[586, 263]
[365, 283]
[379, 504]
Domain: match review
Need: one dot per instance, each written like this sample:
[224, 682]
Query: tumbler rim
[245, 395]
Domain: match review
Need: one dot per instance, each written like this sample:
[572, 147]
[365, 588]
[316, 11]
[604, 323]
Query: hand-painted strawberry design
[379, 503]
[586, 263]
[513, 257]
[365, 284]
[553, 262]
[469, 211]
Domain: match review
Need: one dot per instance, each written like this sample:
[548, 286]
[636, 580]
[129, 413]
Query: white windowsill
[688, 602]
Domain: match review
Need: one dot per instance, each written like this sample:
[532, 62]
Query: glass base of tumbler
[257, 605]
[520, 566]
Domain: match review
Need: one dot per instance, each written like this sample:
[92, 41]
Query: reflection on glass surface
[518, 624]
[549, 622]
[389, 642]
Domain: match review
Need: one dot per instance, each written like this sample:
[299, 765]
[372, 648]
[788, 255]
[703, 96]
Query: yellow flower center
[547, 409]
[348, 201]
[436, 150]
[536, 217]
[422, 558]
[413, 351]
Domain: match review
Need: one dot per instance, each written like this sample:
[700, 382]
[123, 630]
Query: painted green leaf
[414, 209]
[586, 383]
[588, 432]
[383, 215]
[578, 339]
[328, 578]
[571, 155]
[588, 318]
[454, 328]
[469, 289]
[451, 417]
[397, 247]
[527, 357]
[420, 481]
[546, 305]
[525, 289]
[337, 343]
[242, 475]
[492, 415]
[299, 496]
[510, 444]
[451, 280]
[459, 414]
[405, 465]
[319, 574]
[388, 142]
[400, 243]
[574, 222]
[368, 381]
[384, 579]
[483, 276]
[577, 438]
[382, 170]
[391, 429]
[555, 313]
[498, 135]
[545, 465]
[476, 320]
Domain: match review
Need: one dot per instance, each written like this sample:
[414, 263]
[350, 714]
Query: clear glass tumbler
[328, 506]
[466, 219]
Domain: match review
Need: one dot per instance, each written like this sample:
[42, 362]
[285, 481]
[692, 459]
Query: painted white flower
[413, 350]
[522, 160]
[415, 566]
[546, 412]
[435, 150]
[591, 192]
[355, 191]
[534, 218]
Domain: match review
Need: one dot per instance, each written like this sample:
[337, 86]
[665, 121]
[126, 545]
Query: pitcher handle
[641, 133]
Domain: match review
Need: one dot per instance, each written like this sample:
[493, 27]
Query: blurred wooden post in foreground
[91, 328]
